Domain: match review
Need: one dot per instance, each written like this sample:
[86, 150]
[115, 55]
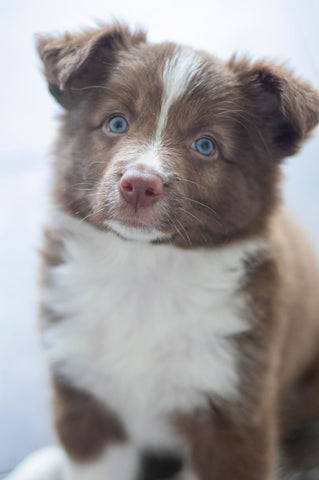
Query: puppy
[180, 306]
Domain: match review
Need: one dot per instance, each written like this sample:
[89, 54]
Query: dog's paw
[46, 464]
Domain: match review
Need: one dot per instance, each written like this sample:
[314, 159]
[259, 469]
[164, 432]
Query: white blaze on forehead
[179, 73]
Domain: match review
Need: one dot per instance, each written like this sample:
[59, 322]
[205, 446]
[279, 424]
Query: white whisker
[185, 231]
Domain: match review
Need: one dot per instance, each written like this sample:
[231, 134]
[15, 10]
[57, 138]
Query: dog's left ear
[284, 108]
[74, 62]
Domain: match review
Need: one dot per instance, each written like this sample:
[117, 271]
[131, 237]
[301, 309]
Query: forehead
[169, 81]
[167, 67]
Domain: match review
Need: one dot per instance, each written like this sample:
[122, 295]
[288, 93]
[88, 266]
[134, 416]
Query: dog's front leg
[93, 439]
[223, 449]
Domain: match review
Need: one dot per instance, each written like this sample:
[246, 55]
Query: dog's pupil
[204, 146]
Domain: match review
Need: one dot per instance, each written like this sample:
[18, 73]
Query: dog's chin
[136, 231]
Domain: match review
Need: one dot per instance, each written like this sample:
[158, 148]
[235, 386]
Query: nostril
[150, 192]
[127, 186]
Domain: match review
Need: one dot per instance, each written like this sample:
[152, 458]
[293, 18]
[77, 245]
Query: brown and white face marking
[147, 165]
[193, 159]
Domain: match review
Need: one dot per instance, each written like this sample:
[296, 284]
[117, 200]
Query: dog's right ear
[73, 62]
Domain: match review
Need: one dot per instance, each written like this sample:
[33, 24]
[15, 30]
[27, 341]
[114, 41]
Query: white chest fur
[146, 327]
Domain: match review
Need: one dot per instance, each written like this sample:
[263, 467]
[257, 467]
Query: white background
[279, 29]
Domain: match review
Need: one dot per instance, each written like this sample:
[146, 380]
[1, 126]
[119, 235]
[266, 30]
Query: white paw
[46, 464]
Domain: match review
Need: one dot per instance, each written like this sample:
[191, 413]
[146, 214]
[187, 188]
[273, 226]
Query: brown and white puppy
[180, 302]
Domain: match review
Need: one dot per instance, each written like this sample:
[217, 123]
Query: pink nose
[141, 188]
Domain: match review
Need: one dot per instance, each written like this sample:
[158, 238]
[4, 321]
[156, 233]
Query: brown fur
[238, 92]
[280, 381]
[223, 449]
[259, 113]
[84, 426]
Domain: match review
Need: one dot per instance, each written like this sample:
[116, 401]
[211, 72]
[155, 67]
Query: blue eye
[204, 146]
[118, 124]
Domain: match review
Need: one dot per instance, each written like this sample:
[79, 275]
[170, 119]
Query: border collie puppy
[180, 305]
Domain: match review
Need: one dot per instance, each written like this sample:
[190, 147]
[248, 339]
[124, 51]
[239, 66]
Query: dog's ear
[73, 62]
[284, 108]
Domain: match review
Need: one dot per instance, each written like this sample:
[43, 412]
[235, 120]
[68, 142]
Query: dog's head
[165, 143]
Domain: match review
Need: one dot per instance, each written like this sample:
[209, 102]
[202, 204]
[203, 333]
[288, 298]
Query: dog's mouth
[135, 222]
[133, 228]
